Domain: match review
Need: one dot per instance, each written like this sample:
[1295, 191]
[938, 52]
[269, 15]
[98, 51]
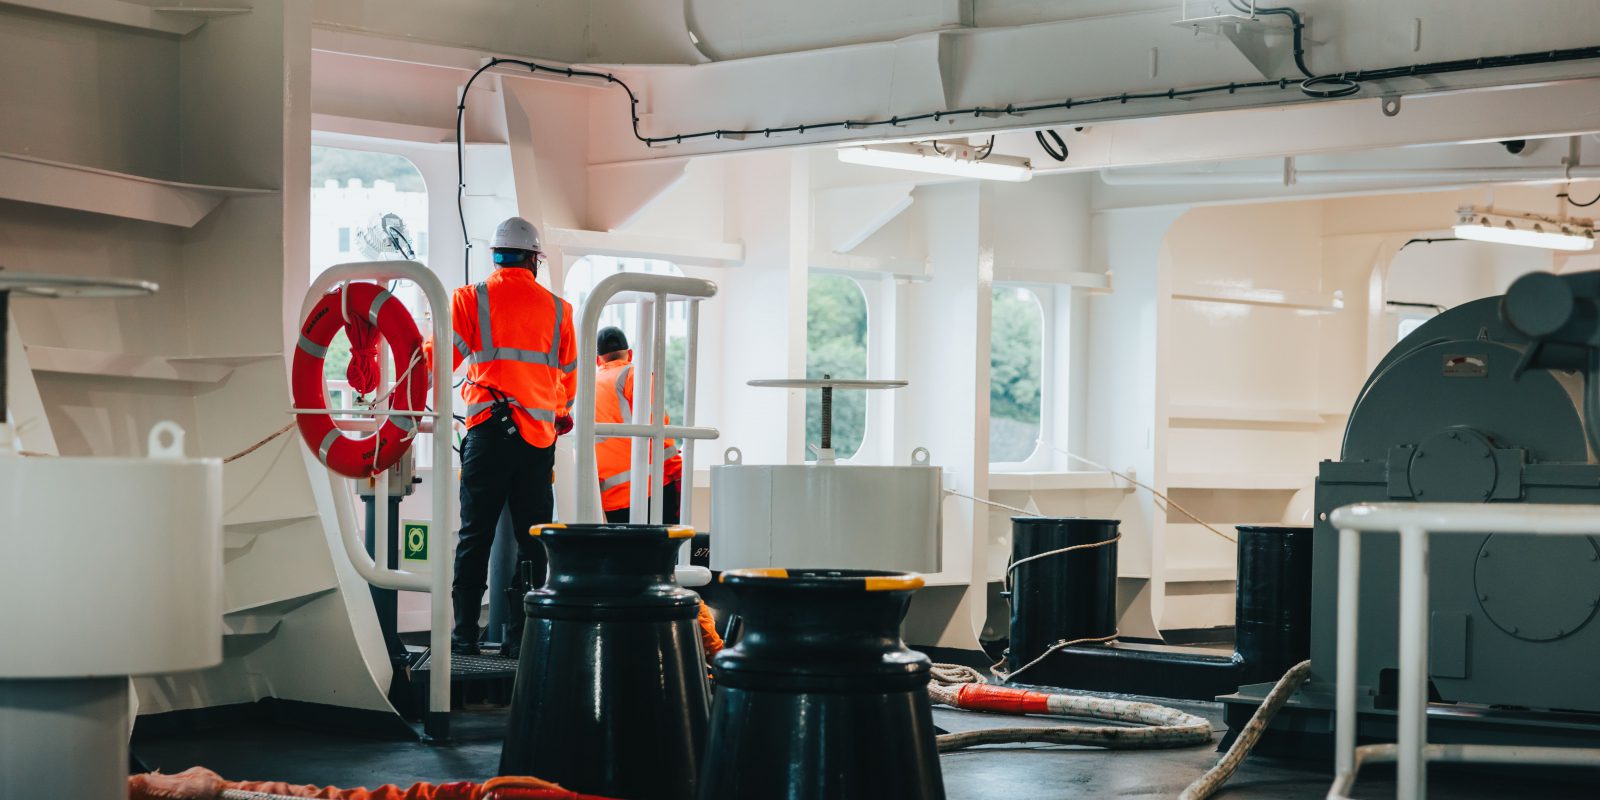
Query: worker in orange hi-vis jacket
[613, 402]
[516, 338]
[613, 458]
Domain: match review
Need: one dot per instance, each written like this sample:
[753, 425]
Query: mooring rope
[1146, 725]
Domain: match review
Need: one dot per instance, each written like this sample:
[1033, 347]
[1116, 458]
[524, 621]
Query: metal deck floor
[989, 773]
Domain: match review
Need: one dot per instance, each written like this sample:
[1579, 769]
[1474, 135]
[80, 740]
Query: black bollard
[1272, 612]
[819, 697]
[1066, 596]
[611, 695]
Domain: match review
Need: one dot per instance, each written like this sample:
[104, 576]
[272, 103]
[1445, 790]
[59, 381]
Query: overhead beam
[115, 12]
[1049, 62]
[1546, 109]
[578, 243]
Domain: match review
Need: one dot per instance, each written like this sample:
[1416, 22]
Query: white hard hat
[516, 234]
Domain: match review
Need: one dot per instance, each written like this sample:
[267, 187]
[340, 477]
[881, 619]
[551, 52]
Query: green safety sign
[414, 541]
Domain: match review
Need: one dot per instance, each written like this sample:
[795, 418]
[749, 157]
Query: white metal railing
[1415, 522]
[441, 551]
[649, 428]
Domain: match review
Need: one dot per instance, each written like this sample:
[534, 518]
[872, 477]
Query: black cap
[611, 340]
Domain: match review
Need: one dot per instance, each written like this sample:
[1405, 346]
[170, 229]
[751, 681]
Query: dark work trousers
[497, 471]
[669, 513]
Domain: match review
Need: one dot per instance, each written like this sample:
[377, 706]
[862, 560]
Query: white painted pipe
[656, 464]
[367, 567]
[643, 379]
[675, 431]
[1466, 754]
[614, 287]
[424, 424]
[1566, 520]
[441, 551]
[1550, 174]
[691, 372]
[1349, 600]
[380, 483]
[1415, 522]
[1412, 771]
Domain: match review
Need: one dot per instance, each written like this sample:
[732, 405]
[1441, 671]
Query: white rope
[1022, 511]
[1059, 551]
[1286, 686]
[1060, 645]
[416, 358]
[1165, 500]
[1159, 727]
[258, 445]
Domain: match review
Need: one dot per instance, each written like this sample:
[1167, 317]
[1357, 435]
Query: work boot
[516, 617]
[464, 637]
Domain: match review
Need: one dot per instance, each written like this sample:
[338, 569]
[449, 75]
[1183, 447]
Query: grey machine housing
[1484, 403]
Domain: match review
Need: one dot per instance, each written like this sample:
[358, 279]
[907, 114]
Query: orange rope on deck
[199, 783]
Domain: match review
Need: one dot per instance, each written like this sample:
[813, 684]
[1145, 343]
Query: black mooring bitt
[611, 695]
[1072, 596]
[820, 698]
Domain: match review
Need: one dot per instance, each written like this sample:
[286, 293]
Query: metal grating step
[489, 666]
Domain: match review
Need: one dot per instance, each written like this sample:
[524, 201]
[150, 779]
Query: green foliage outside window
[677, 368]
[836, 345]
[1016, 348]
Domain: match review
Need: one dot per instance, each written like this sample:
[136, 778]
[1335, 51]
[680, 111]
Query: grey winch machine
[1487, 402]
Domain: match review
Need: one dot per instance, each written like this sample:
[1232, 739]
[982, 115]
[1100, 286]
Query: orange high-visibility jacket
[517, 338]
[613, 458]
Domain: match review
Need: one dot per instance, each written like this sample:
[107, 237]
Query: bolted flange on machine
[819, 697]
[611, 695]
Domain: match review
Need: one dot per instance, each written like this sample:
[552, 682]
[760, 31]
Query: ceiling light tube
[923, 157]
[1527, 230]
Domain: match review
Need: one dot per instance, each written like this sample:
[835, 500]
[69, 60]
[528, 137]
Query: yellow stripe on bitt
[538, 529]
[680, 532]
[891, 583]
[755, 572]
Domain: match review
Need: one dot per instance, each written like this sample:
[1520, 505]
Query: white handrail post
[691, 370]
[1412, 771]
[441, 551]
[662, 287]
[643, 380]
[380, 482]
[656, 464]
[588, 489]
[1415, 522]
[1349, 600]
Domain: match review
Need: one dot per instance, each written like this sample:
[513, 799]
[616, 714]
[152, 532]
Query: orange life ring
[370, 454]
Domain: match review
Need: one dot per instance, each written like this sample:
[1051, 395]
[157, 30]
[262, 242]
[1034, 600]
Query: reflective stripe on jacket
[613, 403]
[517, 339]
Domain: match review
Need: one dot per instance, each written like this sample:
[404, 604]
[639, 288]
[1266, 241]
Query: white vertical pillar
[1412, 770]
[1345, 677]
[644, 363]
[64, 738]
[797, 247]
[691, 377]
[658, 408]
[943, 339]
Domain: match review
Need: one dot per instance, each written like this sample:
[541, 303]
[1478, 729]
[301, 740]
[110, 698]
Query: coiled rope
[1219, 774]
[1154, 726]
[1146, 726]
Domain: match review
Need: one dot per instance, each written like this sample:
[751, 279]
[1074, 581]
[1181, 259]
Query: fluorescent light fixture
[1527, 230]
[956, 160]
